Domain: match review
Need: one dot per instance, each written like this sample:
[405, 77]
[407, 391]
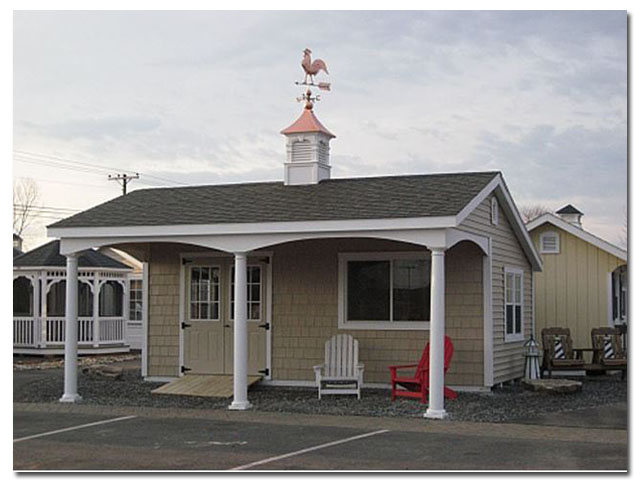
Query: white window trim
[557, 239]
[514, 336]
[133, 321]
[231, 286]
[188, 286]
[343, 323]
[495, 211]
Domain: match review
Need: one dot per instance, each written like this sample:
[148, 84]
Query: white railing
[55, 329]
[112, 330]
[85, 330]
[26, 331]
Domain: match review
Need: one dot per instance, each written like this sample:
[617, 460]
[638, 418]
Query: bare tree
[622, 240]
[532, 211]
[25, 199]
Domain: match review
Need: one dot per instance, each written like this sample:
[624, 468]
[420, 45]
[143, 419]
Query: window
[85, 300]
[205, 293]
[549, 242]
[495, 211]
[22, 297]
[56, 299]
[619, 295]
[254, 293]
[111, 299]
[513, 296]
[135, 300]
[384, 291]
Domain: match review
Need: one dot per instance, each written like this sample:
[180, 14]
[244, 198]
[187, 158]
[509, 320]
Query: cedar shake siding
[305, 311]
[508, 359]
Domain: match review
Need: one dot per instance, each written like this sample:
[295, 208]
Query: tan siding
[305, 312]
[506, 252]
[576, 278]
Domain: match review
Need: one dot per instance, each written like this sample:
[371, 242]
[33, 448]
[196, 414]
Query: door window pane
[254, 293]
[205, 293]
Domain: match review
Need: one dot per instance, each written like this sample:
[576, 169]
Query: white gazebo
[40, 299]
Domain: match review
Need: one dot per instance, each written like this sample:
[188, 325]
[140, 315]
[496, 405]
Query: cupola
[571, 215]
[307, 149]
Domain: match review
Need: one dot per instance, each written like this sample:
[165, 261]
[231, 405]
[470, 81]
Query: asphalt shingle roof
[335, 199]
[49, 255]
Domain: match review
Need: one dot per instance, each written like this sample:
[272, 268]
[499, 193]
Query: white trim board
[503, 195]
[579, 233]
[385, 224]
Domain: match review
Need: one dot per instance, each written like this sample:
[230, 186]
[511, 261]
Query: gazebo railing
[112, 329]
[27, 331]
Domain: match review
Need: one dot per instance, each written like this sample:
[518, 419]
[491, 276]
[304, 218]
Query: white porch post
[436, 337]
[240, 401]
[71, 333]
[95, 285]
[43, 308]
[37, 328]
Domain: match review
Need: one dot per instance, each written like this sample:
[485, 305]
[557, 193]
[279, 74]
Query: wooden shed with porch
[253, 278]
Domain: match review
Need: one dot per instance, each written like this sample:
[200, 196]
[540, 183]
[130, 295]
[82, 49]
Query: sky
[200, 98]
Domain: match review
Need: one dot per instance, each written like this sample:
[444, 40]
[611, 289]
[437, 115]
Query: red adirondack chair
[417, 386]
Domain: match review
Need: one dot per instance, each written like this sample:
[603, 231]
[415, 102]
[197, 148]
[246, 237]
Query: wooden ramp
[203, 386]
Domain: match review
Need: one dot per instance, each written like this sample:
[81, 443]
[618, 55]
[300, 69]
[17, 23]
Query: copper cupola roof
[307, 122]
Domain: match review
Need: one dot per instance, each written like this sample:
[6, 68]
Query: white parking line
[304, 451]
[77, 427]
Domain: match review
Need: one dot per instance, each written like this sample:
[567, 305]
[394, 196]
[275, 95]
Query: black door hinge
[266, 326]
[184, 369]
[186, 261]
[184, 325]
[265, 372]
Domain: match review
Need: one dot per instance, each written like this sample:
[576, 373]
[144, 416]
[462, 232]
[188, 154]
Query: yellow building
[584, 281]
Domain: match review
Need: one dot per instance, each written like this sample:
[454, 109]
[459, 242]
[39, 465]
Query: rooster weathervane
[311, 69]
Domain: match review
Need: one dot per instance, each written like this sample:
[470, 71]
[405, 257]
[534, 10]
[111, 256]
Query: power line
[91, 165]
[65, 182]
[45, 208]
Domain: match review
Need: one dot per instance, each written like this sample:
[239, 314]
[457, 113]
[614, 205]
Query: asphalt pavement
[68, 437]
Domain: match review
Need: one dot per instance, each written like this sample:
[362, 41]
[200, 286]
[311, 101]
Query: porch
[193, 281]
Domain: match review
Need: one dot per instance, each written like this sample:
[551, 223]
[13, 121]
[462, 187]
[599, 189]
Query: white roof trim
[502, 192]
[427, 222]
[578, 233]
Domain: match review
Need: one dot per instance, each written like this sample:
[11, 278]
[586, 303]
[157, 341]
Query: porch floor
[203, 386]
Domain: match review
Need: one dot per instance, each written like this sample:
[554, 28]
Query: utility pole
[123, 180]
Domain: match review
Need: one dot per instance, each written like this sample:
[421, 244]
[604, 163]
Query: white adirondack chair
[341, 372]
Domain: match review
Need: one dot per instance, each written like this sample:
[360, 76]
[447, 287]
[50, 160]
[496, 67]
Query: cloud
[96, 128]
[201, 96]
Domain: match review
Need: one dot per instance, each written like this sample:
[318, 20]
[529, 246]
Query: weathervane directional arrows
[311, 69]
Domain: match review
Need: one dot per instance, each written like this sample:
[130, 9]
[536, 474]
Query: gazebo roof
[49, 255]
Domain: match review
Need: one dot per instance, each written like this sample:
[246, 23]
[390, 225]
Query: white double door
[208, 326]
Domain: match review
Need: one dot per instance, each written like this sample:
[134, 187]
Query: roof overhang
[433, 231]
[577, 232]
[498, 185]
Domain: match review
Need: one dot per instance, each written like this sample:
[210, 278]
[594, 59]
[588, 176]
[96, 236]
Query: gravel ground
[509, 403]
